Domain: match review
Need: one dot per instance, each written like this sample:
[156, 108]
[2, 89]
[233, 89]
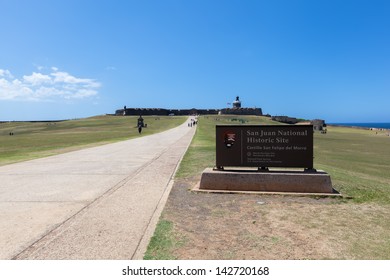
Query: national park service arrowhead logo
[229, 138]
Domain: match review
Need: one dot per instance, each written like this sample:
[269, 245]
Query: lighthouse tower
[237, 103]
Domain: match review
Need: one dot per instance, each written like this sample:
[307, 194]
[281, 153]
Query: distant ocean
[365, 125]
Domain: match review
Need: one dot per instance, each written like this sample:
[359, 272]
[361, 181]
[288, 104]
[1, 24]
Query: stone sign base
[270, 181]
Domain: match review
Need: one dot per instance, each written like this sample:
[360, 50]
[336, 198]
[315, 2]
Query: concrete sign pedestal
[270, 181]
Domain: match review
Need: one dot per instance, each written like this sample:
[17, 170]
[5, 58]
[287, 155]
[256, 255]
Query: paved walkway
[96, 203]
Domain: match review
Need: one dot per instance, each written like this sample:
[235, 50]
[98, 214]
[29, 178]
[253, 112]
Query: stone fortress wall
[187, 112]
[236, 110]
[242, 111]
[164, 112]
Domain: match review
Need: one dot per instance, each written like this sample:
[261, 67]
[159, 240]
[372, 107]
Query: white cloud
[37, 79]
[5, 73]
[63, 77]
[46, 87]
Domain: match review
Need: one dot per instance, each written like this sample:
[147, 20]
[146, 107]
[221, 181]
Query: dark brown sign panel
[264, 146]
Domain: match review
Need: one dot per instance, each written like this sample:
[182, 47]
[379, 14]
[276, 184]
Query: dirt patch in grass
[238, 226]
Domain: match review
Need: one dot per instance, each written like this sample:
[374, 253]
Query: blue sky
[311, 59]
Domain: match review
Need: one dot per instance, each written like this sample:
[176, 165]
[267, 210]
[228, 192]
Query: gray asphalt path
[96, 203]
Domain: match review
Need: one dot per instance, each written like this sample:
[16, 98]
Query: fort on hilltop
[235, 110]
[238, 110]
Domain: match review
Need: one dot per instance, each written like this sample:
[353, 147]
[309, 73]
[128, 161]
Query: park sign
[264, 146]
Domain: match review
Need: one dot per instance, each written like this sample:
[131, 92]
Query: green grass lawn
[358, 161]
[33, 140]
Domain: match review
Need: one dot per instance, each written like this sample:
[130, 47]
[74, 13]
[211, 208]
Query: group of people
[192, 123]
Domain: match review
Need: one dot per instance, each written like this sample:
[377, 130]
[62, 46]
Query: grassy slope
[33, 140]
[358, 161]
